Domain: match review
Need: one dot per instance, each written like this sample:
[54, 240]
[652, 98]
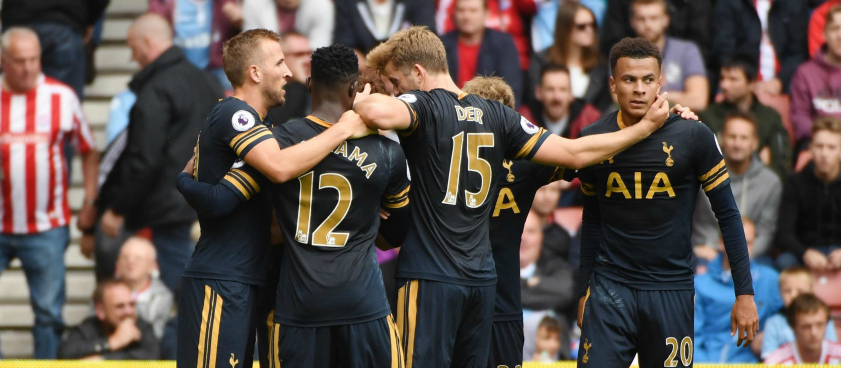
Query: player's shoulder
[298, 129]
[606, 124]
[236, 112]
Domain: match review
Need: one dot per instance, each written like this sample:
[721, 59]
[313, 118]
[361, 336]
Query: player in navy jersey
[636, 279]
[455, 144]
[331, 307]
[219, 288]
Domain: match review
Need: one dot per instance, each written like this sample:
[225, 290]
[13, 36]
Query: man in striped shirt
[37, 116]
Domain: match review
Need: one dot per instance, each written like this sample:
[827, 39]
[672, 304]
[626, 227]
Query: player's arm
[590, 239]
[715, 181]
[220, 199]
[395, 199]
[282, 165]
[585, 151]
[379, 111]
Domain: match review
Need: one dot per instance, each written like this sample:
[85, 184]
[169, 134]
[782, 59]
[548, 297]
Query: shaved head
[149, 36]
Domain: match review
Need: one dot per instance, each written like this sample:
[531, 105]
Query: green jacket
[772, 133]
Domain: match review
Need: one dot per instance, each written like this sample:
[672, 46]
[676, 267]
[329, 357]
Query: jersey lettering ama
[330, 217]
[518, 184]
[232, 247]
[455, 146]
[646, 200]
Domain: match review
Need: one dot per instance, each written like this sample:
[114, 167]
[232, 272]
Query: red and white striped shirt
[33, 128]
[788, 354]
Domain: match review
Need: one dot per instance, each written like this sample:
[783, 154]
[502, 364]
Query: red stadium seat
[781, 103]
[828, 288]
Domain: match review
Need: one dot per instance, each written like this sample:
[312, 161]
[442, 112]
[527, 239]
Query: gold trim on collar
[318, 121]
[619, 121]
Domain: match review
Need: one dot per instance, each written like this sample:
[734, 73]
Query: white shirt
[579, 81]
[788, 354]
[767, 55]
[556, 127]
[381, 14]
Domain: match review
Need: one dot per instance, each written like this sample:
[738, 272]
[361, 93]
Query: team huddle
[337, 191]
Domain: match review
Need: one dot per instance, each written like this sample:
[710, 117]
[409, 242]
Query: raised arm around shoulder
[379, 111]
[289, 163]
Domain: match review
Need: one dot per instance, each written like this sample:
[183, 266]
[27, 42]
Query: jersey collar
[619, 121]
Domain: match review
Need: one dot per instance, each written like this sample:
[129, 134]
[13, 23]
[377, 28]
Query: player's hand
[835, 259]
[362, 95]
[658, 112]
[86, 245]
[744, 320]
[352, 121]
[191, 164]
[684, 112]
[384, 214]
[815, 260]
[581, 303]
[111, 223]
[125, 334]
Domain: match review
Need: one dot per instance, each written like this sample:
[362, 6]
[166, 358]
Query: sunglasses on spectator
[583, 26]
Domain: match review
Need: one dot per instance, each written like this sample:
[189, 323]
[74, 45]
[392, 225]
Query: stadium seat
[827, 286]
[781, 103]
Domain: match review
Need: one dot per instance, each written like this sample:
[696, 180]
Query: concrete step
[115, 59]
[126, 7]
[21, 316]
[115, 30]
[16, 344]
[80, 285]
[73, 258]
[108, 85]
[96, 112]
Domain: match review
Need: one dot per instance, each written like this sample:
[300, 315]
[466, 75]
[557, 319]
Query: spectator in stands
[546, 280]
[173, 100]
[714, 298]
[793, 282]
[473, 49]
[137, 266]
[547, 340]
[737, 82]
[363, 24]
[756, 189]
[557, 109]
[62, 27]
[690, 20]
[817, 23]
[809, 229]
[556, 239]
[808, 317]
[771, 32]
[683, 66]
[114, 333]
[200, 28]
[543, 23]
[298, 53]
[41, 116]
[304, 17]
[576, 47]
[816, 87]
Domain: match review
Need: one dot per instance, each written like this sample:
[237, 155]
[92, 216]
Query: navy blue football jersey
[455, 146]
[645, 199]
[232, 247]
[517, 187]
[330, 217]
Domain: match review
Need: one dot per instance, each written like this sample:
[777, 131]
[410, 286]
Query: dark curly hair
[334, 65]
[634, 48]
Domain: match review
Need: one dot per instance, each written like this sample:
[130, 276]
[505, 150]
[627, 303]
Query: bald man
[41, 116]
[174, 98]
[137, 267]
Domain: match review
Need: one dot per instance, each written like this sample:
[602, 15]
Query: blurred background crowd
[101, 103]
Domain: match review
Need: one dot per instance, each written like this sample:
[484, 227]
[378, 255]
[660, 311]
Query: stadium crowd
[764, 75]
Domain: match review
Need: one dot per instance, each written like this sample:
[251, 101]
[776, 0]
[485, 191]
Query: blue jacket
[714, 298]
[497, 56]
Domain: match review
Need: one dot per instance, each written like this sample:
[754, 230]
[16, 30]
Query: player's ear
[254, 73]
[352, 89]
[612, 85]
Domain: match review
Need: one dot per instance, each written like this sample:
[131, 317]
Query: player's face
[734, 84]
[555, 94]
[531, 242]
[738, 140]
[547, 341]
[470, 16]
[298, 56]
[826, 151]
[832, 35]
[649, 21]
[22, 63]
[401, 82]
[809, 330]
[584, 30]
[116, 306]
[636, 83]
[793, 285]
[275, 73]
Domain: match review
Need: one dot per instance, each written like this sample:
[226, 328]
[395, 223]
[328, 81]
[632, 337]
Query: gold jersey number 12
[323, 236]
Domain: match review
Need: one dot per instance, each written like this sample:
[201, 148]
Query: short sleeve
[523, 138]
[242, 130]
[244, 180]
[396, 194]
[709, 164]
[420, 108]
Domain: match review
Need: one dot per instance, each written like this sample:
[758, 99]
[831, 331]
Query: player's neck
[253, 97]
[627, 119]
[328, 111]
[442, 81]
[809, 356]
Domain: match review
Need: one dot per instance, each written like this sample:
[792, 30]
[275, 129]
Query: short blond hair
[416, 45]
[491, 88]
[240, 52]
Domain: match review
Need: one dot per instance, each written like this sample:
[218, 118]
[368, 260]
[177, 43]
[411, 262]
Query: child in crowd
[548, 340]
